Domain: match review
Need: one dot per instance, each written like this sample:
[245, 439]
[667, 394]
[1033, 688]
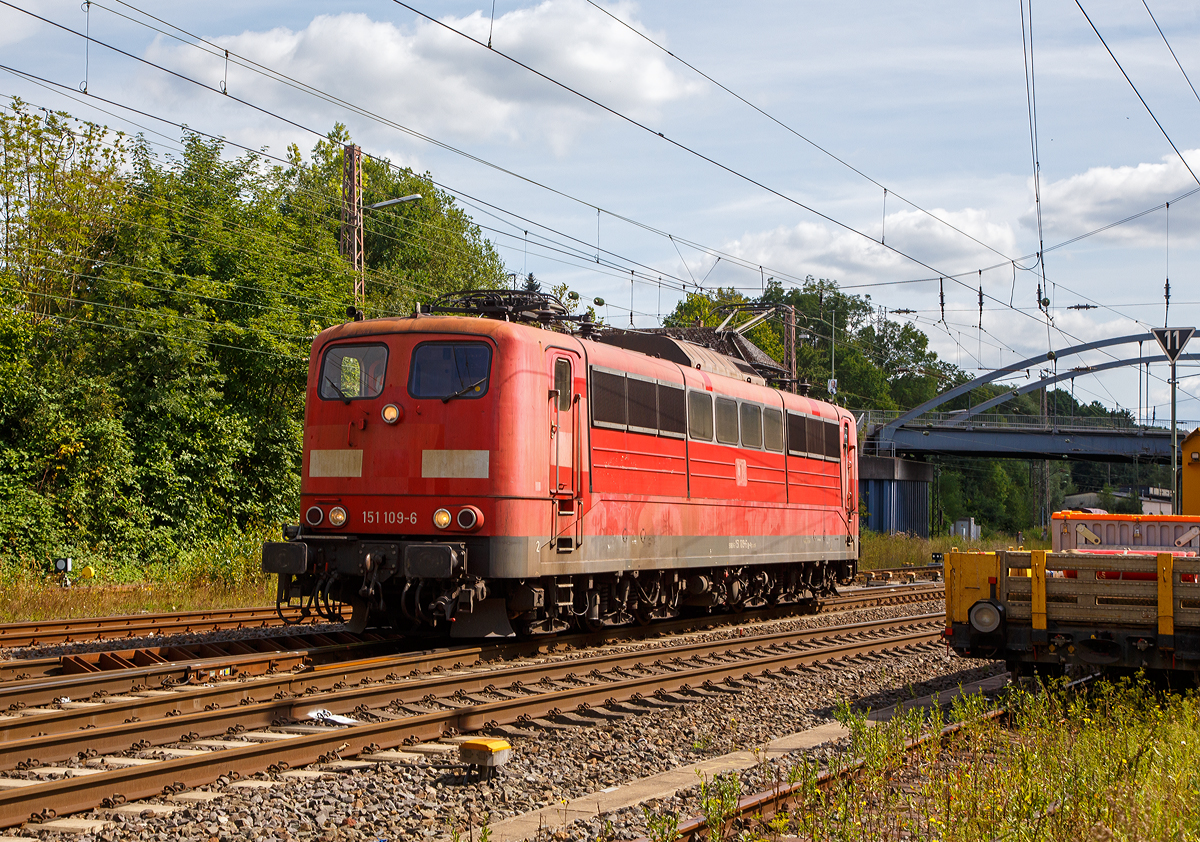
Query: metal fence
[871, 420]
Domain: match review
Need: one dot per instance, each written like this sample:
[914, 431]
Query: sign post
[1173, 340]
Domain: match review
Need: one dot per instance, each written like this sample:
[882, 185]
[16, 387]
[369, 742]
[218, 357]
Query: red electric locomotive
[492, 476]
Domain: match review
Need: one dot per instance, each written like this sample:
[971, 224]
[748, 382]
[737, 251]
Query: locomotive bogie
[490, 477]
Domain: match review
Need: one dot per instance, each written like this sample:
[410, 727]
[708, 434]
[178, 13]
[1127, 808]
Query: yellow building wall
[1189, 469]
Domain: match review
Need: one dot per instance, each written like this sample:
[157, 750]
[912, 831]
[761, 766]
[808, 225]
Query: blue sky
[927, 99]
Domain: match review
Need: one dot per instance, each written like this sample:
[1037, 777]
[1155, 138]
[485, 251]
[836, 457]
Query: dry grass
[880, 550]
[221, 574]
[31, 601]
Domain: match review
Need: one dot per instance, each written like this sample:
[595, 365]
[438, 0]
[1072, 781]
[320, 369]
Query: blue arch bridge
[896, 486]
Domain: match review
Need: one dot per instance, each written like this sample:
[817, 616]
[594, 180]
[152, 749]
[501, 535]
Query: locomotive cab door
[849, 486]
[564, 451]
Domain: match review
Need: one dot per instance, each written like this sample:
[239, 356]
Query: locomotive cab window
[562, 383]
[448, 370]
[353, 372]
[700, 416]
[727, 421]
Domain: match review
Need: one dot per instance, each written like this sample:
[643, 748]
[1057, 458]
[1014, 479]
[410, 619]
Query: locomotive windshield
[351, 372]
[449, 370]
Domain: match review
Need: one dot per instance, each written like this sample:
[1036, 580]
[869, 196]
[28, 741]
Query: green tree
[157, 326]
[61, 190]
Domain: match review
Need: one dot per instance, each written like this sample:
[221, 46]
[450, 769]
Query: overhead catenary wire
[679, 144]
[296, 84]
[798, 134]
[1138, 93]
[449, 189]
[287, 80]
[1031, 108]
[1172, 50]
[676, 143]
[92, 303]
[292, 122]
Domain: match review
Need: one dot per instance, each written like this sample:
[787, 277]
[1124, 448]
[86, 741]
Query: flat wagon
[1041, 611]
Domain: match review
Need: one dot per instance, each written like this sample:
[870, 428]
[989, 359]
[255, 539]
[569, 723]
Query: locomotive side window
[700, 416]
[751, 425]
[727, 421]
[450, 370]
[672, 411]
[608, 399]
[833, 440]
[643, 405]
[351, 372]
[773, 430]
[796, 438]
[815, 430]
[562, 382]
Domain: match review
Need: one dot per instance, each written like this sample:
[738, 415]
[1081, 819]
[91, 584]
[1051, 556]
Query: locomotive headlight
[441, 518]
[469, 518]
[391, 413]
[337, 516]
[314, 515]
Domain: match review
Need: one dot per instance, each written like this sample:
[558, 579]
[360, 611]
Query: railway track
[82, 754]
[81, 629]
[930, 572]
[50, 681]
[46, 632]
[293, 647]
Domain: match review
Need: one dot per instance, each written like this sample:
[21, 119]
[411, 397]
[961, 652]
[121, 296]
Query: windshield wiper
[464, 390]
[341, 394]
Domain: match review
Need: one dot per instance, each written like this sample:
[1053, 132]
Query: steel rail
[73, 794]
[16, 695]
[44, 632]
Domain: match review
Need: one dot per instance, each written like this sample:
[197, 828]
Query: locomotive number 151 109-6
[389, 517]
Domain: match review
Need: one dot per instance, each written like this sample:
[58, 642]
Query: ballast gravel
[550, 767]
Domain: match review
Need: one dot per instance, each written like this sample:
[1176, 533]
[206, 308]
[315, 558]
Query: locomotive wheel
[590, 626]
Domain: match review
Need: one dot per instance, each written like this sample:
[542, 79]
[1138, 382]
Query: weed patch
[1120, 762]
[878, 550]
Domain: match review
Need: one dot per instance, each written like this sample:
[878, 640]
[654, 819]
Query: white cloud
[430, 79]
[1103, 195]
[823, 250]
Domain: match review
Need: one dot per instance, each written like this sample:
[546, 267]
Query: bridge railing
[872, 419]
